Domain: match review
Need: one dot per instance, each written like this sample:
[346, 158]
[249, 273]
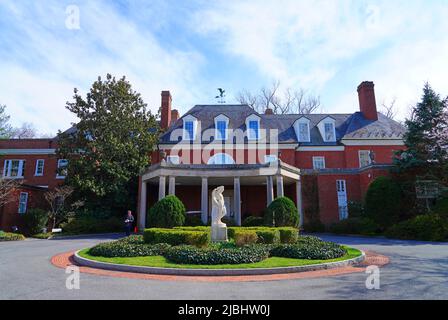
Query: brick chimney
[367, 103]
[165, 110]
[268, 111]
[174, 115]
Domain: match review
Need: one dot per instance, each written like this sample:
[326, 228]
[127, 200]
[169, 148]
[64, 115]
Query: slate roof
[348, 126]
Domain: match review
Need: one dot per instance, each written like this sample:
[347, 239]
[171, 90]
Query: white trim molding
[27, 151]
[373, 142]
[321, 148]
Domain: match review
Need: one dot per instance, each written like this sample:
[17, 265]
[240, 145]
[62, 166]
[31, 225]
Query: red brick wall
[383, 154]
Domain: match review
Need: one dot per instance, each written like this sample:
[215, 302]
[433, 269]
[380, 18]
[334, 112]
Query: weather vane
[221, 96]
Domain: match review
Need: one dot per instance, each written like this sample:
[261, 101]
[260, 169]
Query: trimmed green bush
[212, 256]
[288, 235]
[133, 247]
[176, 237]
[8, 236]
[268, 236]
[428, 227]
[88, 224]
[252, 221]
[244, 237]
[282, 212]
[382, 202]
[168, 212]
[309, 248]
[357, 225]
[35, 220]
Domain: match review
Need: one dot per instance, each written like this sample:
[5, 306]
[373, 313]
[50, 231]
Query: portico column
[172, 186]
[162, 187]
[237, 200]
[142, 207]
[204, 201]
[299, 201]
[269, 190]
[280, 192]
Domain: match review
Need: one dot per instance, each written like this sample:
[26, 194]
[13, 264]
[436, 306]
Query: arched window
[221, 158]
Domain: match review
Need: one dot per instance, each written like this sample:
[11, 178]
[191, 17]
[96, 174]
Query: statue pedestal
[219, 233]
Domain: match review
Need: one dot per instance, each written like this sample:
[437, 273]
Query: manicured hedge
[282, 212]
[126, 249]
[309, 248]
[176, 236]
[245, 237]
[288, 235]
[357, 225]
[168, 212]
[429, 227]
[211, 256]
[7, 236]
[268, 234]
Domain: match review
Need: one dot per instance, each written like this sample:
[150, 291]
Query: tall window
[329, 132]
[318, 163]
[62, 169]
[254, 130]
[304, 132]
[221, 130]
[39, 167]
[23, 202]
[189, 130]
[14, 168]
[364, 158]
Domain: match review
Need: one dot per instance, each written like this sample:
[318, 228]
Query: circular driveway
[417, 270]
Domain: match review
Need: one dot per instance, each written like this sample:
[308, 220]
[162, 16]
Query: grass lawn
[272, 262]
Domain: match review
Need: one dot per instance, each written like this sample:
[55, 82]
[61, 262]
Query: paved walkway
[418, 270]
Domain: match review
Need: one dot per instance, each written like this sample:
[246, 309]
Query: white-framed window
[62, 169]
[270, 158]
[364, 158]
[253, 127]
[341, 191]
[327, 129]
[40, 163]
[190, 127]
[221, 158]
[318, 163]
[23, 202]
[302, 128]
[173, 159]
[14, 169]
[221, 127]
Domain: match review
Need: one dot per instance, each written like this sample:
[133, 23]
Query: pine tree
[110, 146]
[5, 128]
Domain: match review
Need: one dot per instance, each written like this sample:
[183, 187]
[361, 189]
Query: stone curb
[214, 272]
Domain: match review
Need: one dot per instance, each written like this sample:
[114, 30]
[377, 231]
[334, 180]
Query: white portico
[247, 186]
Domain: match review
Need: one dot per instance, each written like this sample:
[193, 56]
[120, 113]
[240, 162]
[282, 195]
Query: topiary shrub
[244, 237]
[267, 236]
[35, 220]
[128, 248]
[288, 235]
[428, 227]
[382, 202]
[309, 248]
[282, 212]
[168, 212]
[252, 221]
[8, 236]
[213, 256]
[176, 237]
[357, 225]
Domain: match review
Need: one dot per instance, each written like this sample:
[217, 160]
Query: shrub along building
[34, 164]
[320, 161]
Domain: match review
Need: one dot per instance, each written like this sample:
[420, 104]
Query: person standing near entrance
[128, 222]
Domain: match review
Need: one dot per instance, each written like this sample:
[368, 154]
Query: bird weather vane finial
[221, 96]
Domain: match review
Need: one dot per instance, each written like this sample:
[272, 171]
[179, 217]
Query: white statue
[218, 207]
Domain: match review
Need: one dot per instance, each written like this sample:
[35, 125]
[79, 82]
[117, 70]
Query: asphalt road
[418, 270]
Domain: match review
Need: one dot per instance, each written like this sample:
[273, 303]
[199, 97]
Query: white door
[341, 190]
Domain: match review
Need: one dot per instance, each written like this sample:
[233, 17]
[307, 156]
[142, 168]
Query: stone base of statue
[219, 232]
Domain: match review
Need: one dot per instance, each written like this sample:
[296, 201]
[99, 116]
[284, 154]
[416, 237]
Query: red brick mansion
[256, 157]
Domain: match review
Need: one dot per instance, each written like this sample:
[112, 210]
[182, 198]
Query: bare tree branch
[389, 110]
[7, 187]
[281, 102]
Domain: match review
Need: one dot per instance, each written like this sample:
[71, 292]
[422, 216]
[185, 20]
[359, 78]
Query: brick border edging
[214, 272]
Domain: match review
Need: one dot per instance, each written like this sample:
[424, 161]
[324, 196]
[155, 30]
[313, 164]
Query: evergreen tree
[426, 135]
[110, 145]
[5, 128]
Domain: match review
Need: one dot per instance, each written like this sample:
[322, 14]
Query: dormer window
[302, 128]
[327, 129]
[190, 126]
[253, 127]
[221, 125]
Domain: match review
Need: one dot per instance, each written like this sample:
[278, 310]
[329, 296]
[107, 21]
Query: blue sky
[193, 47]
